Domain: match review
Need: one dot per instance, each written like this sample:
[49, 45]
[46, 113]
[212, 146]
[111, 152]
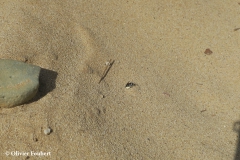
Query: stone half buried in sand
[18, 82]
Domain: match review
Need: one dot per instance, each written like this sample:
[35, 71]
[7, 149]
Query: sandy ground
[185, 104]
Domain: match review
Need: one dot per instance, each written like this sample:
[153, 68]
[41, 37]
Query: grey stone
[19, 82]
[47, 131]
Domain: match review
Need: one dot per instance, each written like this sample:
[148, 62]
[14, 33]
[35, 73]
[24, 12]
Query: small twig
[108, 67]
[236, 29]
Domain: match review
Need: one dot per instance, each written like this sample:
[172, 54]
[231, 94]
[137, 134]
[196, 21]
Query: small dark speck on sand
[208, 51]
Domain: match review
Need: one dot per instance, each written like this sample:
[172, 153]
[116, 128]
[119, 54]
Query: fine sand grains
[183, 106]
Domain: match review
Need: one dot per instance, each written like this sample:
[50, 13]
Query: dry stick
[236, 29]
[108, 67]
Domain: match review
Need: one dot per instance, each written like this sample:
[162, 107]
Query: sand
[185, 104]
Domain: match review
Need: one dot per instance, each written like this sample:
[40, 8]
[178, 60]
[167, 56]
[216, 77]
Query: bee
[130, 85]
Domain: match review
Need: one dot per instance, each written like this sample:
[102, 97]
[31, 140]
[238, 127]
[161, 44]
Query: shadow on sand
[47, 83]
[236, 128]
